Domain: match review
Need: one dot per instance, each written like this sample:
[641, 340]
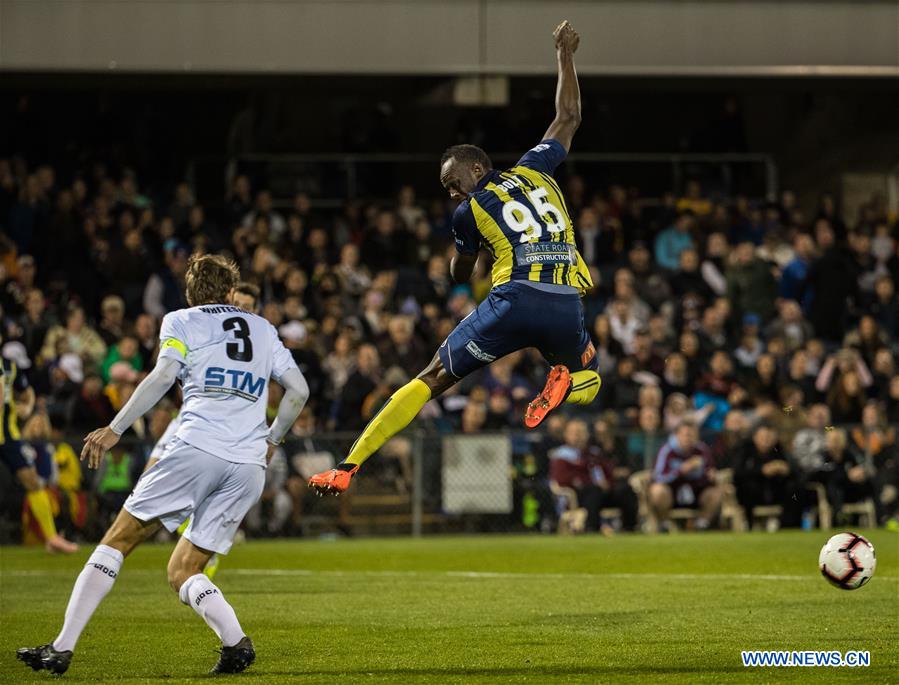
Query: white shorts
[190, 483]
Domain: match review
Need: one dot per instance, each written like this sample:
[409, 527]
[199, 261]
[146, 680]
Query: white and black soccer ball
[847, 561]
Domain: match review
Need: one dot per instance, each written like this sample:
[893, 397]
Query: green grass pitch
[488, 609]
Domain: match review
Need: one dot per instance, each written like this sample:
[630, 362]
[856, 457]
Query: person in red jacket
[576, 465]
[684, 473]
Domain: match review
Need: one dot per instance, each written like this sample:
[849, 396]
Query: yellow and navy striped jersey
[13, 382]
[519, 216]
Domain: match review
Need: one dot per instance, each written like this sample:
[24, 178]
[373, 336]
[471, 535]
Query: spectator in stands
[574, 465]
[76, 337]
[112, 323]
[125, 351]
[764, 476]
[644, 443]
[264, 208]
[608, 348]
[809, 443]
[794, 274]
[684, 475]
[35, 322]
[790, 326]
[884, 306]
[674, 240]
[357, 388]
[832, 281]
[688, 279]
[713, 264]
[164, 291]
[750, 284]
[849, 479]
[846, 398]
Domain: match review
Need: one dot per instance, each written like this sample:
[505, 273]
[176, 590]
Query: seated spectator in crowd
[867, 339]
[848, 477]
[764, 385]
[729, 440]
[847, 398]
[34, 323]
[608, 348]
[164, 291]
[125, 351]
[676, 376]
[794, 274]
[763, 475]
[644, 443]
[674, 240]
[622, 389]
[684, 476]
[76, 337]
[92, 408]
[574, 465]
[790, 326]
[715, 389]
[884, 306]
[809, 443]
[112, 323]
[750, 284]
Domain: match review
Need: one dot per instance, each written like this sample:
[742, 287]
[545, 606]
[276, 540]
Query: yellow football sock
[397, 412]
[42, 510]
[584, 386]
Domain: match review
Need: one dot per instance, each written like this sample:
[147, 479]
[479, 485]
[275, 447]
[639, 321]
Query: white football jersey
[166, 437]
[228, 356]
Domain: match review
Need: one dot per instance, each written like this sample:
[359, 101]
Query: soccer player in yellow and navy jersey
[17, 398]
[519, 216]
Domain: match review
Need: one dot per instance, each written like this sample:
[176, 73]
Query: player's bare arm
[568, 94]
[462, 266]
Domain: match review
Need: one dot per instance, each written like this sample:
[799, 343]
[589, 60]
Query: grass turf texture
[490, 609]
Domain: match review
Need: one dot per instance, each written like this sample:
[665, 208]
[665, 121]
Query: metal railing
[421, 481]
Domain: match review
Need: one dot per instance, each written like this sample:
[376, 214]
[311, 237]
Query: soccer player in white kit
[211, 472]
[246, 296]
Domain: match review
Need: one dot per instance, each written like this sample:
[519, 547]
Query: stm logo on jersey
[105, 569]
[234, 382]
[205, 593]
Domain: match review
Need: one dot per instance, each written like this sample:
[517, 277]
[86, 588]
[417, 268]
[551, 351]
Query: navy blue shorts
[515, 316]
[16, 455]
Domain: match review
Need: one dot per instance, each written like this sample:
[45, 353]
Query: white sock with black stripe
[93, 584]
[206, 599]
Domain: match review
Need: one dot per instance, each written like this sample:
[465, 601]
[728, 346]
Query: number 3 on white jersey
[519, 217]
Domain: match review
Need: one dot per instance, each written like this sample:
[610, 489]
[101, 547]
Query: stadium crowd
[732, 334]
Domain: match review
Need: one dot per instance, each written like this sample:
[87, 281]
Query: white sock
[207, 600]
[94, 583]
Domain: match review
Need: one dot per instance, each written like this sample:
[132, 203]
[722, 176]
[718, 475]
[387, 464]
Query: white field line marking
[477, 575]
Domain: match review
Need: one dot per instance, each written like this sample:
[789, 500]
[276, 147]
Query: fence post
[417, 478]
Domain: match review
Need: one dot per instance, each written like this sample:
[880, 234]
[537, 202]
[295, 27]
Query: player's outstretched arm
[145, 396]
[568, 94]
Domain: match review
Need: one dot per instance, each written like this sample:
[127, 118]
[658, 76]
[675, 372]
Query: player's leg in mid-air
[514, 315]
[187, 483]
[573, 378]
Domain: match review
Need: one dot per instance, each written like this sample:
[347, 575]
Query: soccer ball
[847, 561]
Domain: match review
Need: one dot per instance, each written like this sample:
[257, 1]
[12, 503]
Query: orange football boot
[558, 383]
[332, 482]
